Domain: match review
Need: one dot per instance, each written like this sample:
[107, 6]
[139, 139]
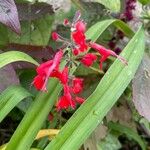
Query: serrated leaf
[37, 113]
[9, 15]
[110, 88]
[10, 98]
[113, 5]
[13, 56]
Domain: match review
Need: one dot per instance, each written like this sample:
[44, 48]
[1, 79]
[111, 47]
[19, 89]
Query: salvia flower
[105, 53]
[72, 87]
[89, 59]
[45, 70]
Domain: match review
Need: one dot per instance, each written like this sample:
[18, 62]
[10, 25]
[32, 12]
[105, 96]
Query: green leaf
[111, 142]
[144, 2]
[110, 88]
[129, 132]
[13, 56]
[96, 30]
[3, 147]
[113, 5]
[10, 98]
[4, 36]
[34, 118]
[36, 32]
[42, 105]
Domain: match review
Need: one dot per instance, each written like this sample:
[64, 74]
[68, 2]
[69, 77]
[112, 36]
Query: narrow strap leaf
[13, 56]
[43, 103]
[10, 98]
[110, 88]
[128, 131]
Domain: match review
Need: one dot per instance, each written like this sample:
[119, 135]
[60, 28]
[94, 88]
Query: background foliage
[116, 112]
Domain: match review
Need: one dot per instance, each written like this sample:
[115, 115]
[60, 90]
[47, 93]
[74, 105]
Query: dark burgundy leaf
[141, 88]
[9, 15]
[7, 77]
[40, 53]
[28, 11]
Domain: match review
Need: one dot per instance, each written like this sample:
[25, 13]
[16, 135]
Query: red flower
[64, 76]
[77, 86]
[80, 40]
[88, 59]
[66, 22]
[47, 69]
[39, 82]
[105, 53]
[75, 51]
[66, 100]
[78, 35]
[55, 36]
[80, 26]
[79, 100]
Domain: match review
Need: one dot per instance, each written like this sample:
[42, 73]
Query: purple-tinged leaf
[8, 77]
[9, 15]
[141, 88]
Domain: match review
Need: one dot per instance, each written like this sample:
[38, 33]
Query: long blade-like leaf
[129, 132]
[10, 98]
[13, 56]
[37, 113]
[91, 113]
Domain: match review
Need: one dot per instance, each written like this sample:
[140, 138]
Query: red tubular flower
[66, 100]
[79, 100]
[88, 59]
[78, 36]
[55, 36]
[66, 22]
[45, 70]
[105, 53]
[39, 82]
[75, 52]
[80, 26]
[77, 85]
[64, 76]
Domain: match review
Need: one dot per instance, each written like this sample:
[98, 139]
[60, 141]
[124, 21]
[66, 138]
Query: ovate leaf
[9, 15]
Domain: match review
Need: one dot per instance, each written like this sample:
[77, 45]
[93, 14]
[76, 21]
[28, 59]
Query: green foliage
[144, 2]
[111, 142]
[36, 32]
[43, 103]
[129, 133]
[10, 98]
[113, 5]
[13, 56]
[4, 36]
[110, 88]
